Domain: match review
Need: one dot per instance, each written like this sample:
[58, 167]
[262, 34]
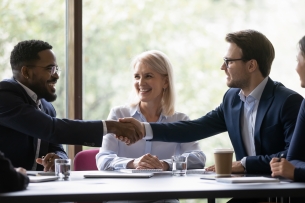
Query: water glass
[179, 165]
[62, 168]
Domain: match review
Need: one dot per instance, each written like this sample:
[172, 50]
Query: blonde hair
[160, 63]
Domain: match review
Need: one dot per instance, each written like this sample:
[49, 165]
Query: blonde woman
[153, 101]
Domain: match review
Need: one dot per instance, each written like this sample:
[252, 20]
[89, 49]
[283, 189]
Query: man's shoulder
[8, 83]
[280, 90]
[231, 92]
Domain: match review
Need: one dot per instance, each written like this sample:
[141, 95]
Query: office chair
[85, 160]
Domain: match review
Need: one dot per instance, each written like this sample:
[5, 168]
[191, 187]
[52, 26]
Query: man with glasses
[258, 113]
[30, 133]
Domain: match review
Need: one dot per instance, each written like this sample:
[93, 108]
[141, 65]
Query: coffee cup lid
[223, 151]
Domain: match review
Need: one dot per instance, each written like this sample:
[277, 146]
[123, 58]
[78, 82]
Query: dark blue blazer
[275, 121]
[296, 152]
[21, 124]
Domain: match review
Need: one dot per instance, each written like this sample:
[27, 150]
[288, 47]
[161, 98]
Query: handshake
[128, 130]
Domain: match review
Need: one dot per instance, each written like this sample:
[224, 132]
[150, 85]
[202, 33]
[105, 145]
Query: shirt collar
[31, 94]
[136, 110]
[256, 93]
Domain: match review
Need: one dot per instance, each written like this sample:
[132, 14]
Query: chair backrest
[85, 160]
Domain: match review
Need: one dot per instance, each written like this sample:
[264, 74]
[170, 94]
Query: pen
[280, 157]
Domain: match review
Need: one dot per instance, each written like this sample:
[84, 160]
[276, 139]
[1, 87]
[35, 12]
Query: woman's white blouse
[114, 154]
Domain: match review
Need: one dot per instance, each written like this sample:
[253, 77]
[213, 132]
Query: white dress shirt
[248, 123]
[115, 154]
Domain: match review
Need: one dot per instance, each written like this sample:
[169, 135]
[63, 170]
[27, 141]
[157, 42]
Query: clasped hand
[131, 137]
[148, 161]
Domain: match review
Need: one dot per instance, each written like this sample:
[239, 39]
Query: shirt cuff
[104, 128]
[243, 162]
[148, 132]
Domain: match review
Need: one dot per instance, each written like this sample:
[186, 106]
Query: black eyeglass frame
[226, 60]
[53, 68]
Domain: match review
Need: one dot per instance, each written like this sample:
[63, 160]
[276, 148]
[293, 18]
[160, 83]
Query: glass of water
[62, 168]
[179, 165]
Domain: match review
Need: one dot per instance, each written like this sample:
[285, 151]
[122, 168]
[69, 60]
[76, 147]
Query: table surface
[160, 186]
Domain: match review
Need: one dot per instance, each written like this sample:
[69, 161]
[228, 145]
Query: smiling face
[149, 84]
[301, 67]
[237, 74]
[40, 79]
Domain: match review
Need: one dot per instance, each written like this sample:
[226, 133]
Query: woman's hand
[283, 168]
[146, 161]
[48, 161]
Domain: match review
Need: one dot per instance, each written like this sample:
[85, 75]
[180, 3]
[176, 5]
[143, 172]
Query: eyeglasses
[51, 68]
[226, 60]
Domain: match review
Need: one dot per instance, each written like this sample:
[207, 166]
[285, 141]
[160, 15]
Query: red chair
[85, 160]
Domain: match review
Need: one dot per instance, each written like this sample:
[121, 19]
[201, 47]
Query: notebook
[37, 179]
[247, 180]
[102, 174]
[213, 176]
[190, 171]
[141, 170]
[40, 173]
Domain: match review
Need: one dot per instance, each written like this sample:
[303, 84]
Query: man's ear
[252, 65]
[24, 72]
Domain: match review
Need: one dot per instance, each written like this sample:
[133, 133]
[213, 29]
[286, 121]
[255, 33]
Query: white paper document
[247, 180]
[38, 179]
[102, 174]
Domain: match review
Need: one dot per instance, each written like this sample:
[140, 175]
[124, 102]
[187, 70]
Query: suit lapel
[264, 104]
[44, 145]
[237, 106]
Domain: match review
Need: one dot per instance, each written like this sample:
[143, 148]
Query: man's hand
[236, 167]
[48, 161]
[146, 161]
[138, 126]
[125, 131]
[210, 168]
[283, 168]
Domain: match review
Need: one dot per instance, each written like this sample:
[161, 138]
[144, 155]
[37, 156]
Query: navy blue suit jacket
[21, 124]
[275, 122]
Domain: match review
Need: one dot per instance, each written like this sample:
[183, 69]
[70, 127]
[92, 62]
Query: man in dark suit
[29, 128]
[258, 113]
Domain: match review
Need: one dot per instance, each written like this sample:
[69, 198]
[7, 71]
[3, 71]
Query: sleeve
[58, 149]
[288, 118]
[211, 124]
[107, 158]
[296, 152]
[196, 158]
[10, 179]
[16, 114]
[299, 171]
